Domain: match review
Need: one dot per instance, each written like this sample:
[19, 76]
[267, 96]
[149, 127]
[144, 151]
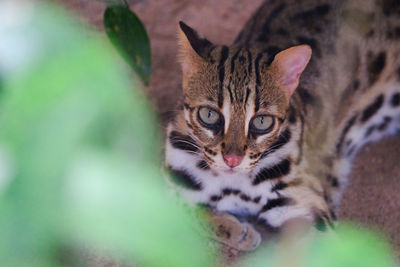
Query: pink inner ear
[291, 63]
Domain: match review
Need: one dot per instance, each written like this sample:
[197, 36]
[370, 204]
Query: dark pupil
[262, 120]
[209, 113]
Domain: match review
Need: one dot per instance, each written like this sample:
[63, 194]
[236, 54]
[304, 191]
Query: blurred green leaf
[128, 34]
[82, 146]
[347, 247]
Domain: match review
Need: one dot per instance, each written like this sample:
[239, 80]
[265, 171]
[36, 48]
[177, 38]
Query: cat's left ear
[289, 64]
[193, 49]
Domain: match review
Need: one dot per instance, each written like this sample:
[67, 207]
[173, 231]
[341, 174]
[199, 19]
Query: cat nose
[232, 160]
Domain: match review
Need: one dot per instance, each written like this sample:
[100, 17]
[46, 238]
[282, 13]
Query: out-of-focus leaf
[349, 246]
[82, 146]
[128, 34]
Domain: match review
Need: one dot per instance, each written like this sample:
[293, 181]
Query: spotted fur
[348, 95]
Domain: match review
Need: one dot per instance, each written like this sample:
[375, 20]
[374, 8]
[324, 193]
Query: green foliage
[80, 155]
[348, 246]
[129, 36]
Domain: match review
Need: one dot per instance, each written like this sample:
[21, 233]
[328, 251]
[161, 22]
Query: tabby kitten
[268, 126]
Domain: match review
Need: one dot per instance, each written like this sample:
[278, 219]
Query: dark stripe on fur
[275, 203]
[372, 108]
[375, 66]
[203, 165]
[282, 140]
[233, 60]
[182, 142]
[257, 68]
[221, 68]
[247, 95]
[279, 170]
[349, 124]
[184, 179]
[249, 58]
[279, 186]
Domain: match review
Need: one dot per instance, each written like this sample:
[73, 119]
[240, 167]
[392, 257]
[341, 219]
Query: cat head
[236, 99]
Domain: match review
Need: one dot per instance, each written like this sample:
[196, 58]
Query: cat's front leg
[303, 203]
[228, 230]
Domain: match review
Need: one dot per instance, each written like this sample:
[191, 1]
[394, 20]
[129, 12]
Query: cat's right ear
[192, 49]
[289, 64]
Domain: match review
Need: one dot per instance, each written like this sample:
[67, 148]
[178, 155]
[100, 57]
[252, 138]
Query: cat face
[236, 99]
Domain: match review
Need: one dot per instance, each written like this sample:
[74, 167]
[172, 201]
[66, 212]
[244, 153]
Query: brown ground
[372, 198]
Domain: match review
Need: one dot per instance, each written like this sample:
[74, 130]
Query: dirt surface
[372, 198]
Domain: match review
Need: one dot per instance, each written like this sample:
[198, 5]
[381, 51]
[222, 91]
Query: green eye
[208, 116]
[262, 124]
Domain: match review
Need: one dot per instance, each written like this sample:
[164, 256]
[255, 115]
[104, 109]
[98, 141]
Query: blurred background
[81, 142]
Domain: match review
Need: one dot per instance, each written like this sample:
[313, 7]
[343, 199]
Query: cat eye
[262, 124]
[208, 117]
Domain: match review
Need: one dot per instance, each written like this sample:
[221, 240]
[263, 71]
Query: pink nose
[232, 160]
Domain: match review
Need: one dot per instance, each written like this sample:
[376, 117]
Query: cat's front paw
[228, 230]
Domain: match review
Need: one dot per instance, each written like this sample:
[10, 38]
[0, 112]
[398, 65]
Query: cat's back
[279, 24]
[354, 42]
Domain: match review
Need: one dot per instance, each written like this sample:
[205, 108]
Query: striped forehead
[236, 67]
[238, 73]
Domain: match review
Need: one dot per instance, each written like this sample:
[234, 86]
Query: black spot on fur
[182, 142]
[257, 199]
[282, 140]
[372, 108]
[395, 101]
[235, 191]
[393, 33]
[277, 202]
[385, 123]
[209, 151]
[227, 191]
[369, 131]
[244, 197]
[356, 85]
[186, 180]
[375, 66]
[333, 180]
[279, 170]
[305, 96]
[292, 116]
[202, 164]
[215, 198]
